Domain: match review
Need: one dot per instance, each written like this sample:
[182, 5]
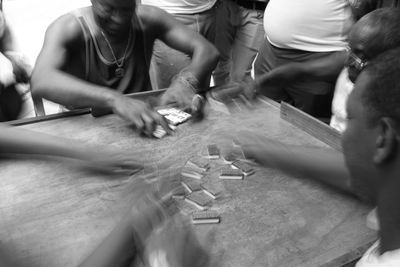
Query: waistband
[252, 4]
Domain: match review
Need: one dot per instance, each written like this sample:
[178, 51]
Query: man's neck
[120, 38]
[389, 215]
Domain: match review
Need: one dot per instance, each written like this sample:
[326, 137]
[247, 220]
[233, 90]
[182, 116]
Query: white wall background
[29, 20]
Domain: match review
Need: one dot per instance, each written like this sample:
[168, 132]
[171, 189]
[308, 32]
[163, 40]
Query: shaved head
[378, 31]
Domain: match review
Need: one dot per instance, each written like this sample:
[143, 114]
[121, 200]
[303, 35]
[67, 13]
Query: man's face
[358, 142]
[114, 16]
[359, 50]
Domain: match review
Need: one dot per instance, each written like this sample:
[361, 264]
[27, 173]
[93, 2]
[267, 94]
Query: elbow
[39, 84]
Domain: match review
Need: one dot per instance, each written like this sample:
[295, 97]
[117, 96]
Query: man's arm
[326, 69]
[163, 26]
[320, 164]
[193, 79]
[21, 141]
[126, 241]
[51, 82]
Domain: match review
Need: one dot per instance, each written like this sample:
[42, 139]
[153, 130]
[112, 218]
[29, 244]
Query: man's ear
[386, 141]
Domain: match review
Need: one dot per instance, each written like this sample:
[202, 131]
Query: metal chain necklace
[119, 71]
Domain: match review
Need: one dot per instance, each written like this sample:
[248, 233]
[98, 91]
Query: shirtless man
[92, 55]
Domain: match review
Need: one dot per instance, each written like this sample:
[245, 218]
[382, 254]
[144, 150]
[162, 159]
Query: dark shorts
[311, 96]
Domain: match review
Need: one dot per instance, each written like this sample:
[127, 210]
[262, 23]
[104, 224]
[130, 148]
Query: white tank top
[182, 6]
[308, 25]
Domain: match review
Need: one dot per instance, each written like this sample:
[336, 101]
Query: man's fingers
[182, 103]
[228, 92]
[187, 109]
[234, 87]
[198, 102]
[153, 101]
[246, 101]
[161, 121]
[233, 91]
[131, 116]
[163, 100]
[139, 124]
[167, 99]
[149, 124]
[249, 92]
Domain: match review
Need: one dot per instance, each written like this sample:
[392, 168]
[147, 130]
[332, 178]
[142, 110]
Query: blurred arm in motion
[20, 141]
[320, 164]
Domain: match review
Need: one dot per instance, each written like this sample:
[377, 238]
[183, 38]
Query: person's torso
[372, 258]
[308, 25]
[128, 74]
[181, 6]
[343, 89]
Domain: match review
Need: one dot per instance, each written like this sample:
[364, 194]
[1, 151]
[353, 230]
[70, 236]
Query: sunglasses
[355, 64]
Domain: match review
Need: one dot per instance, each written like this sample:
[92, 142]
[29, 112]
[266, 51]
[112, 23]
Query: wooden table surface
[54, 215]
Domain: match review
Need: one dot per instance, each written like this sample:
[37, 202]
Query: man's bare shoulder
[65, 28]
[150, 15]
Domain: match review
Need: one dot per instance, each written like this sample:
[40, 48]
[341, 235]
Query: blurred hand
[248, 89]
[22, 70]
[256, 146]
[245, 90]
[144, 118]
[183, 98]
[150, 211]
[146, 215]
[110, 161]
[175, 245]
[283, 75]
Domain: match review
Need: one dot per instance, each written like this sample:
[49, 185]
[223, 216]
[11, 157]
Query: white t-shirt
[343, 89]
[308, 25]
[182, 6]
[372, 258]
